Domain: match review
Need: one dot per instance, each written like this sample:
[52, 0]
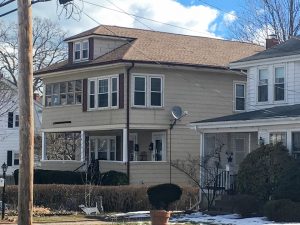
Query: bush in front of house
[261, 171]
[114, 178]
[162, 195]
[283, 210]
[289, 185]
[115, 198]
[246, 205]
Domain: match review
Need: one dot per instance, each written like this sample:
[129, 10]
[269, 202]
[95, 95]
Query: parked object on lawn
[160, 198]
[90, 210]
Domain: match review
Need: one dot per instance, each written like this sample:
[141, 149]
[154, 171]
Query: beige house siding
[103, 46]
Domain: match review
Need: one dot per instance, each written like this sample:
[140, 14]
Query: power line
[6, 3]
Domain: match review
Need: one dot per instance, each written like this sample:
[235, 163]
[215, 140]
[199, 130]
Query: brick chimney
[271, 41]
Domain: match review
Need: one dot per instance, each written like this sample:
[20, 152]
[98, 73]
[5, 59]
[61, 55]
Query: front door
[159, 146]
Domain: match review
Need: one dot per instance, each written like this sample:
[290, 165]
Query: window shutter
[70, 54]
[91, 48]
[9, 158]
[121, 90]
[84, 95]
[10, 120]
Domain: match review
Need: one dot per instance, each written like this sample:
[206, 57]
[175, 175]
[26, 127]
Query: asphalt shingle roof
[165, 48]
[270, 113]
[290, 47]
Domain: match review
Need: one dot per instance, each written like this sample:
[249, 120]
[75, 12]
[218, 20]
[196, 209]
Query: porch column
[43, 146]
[125, 145]
[201, 154]
[289, 140]
[82, 147]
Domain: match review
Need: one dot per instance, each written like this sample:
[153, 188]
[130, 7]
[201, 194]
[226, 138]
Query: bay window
[103, 92]
[239, 96]
[263, 85]
[63, 93]
[147, 91]
[279, 84]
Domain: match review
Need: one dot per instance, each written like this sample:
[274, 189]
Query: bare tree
[48, 47]
[7, 97]
[259, 18]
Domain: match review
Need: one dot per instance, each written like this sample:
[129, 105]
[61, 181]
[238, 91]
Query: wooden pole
[26, 127]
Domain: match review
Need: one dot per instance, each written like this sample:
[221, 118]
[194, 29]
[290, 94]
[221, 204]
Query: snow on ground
[232, 219]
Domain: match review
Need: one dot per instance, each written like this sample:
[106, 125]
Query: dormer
[91, 47]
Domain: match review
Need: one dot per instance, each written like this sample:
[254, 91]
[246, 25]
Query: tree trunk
[26, 128]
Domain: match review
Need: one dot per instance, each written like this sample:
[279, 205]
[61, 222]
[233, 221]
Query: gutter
[128, 118]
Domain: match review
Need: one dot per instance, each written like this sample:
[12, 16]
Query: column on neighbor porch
[44, 146]
[125, 145]
[82, 146]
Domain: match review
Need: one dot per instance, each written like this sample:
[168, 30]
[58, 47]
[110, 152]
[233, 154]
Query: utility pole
[26, 127]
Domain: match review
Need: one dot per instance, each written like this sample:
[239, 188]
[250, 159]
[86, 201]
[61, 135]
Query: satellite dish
[176, 112]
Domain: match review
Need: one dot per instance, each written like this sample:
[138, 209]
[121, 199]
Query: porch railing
[223, 181]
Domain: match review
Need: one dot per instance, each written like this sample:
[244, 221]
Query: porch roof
[278, 113]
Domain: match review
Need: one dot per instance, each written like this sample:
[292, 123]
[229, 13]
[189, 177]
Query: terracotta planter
[160, 217]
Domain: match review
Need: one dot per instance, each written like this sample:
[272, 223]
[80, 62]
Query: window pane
[17, 121]
[77, 47]
[139, 84]
[112, 154]
[78, 98]
[84, 54]
[263, 93]
[92, 87]
[103, 86]
[63, 87]
[92, 101]
[78, 85]
[103, 100]
[85, 45]
[77, 55]
[49, 89]
[114, 85]
[240, 104]
[156, 84]
[16, 159]
[155, 99]
[114, 99]
[56, 88]
[55, 99]
[279, 137]
[296, 141]
[102, 149]
[71, 86]
[279, 75]
[279, 92]
[240, 90]
[263, 75]
[70, 98]
[63, 99]
[48, 101]
[139, 98]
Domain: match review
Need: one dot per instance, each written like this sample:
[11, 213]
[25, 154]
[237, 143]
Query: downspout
[127, 118]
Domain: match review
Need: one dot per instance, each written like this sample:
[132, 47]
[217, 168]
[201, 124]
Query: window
[13, 120]
[278, 137]
[81, 51]
[239, 97]
[64, 93]
[16, 159]
[139, 91]
[296, 144]
[103, 148]
[263, 85]
[103, 92]
[279, 84]
[16, 120]
[147, 91]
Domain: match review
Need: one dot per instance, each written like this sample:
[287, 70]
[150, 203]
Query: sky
[192, 17]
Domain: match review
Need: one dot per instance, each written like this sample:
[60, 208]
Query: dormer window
[81, 51]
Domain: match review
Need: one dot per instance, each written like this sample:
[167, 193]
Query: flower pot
[160, 217]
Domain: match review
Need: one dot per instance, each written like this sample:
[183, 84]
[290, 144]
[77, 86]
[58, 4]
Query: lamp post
[4, 168]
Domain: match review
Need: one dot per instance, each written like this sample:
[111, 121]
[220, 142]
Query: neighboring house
[111, 100]
[272, 112]
[9, 124]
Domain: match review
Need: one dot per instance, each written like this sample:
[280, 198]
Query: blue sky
[196, 16]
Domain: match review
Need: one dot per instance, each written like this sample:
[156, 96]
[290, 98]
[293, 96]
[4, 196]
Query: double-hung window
[147, 91]
[103, 92]
[13, 120]
[240, 96]
[279, 84]
[81, 51]
[278, 137]
[262, 85]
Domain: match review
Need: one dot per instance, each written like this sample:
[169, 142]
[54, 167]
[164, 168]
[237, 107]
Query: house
[272, 112]
[9, 124]
[111, 100]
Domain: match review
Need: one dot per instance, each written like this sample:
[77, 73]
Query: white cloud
[229, 17]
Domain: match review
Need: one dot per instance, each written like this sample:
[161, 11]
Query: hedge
[115, 198]
[283, 210]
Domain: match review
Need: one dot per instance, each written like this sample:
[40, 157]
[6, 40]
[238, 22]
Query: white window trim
[235, 83]
[81, 55]
[285, 84]
[88, 93]
[13, 158]
[148, 90]
[109, 147]
[257, 85]
[96, 79]
[164, 146]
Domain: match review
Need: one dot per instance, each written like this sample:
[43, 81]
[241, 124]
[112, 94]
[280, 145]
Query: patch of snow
[232, 219]
[138, 214]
